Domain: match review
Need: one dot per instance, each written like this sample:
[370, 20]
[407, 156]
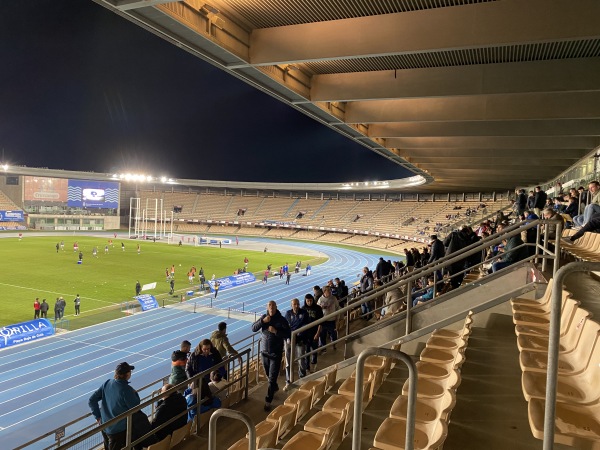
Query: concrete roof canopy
[469, 94]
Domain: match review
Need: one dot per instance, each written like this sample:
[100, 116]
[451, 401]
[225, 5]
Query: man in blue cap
[116, 396]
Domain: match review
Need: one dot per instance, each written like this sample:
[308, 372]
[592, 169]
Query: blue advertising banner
[232, 281]
[214, 241]
[25, 332]
[12, 216]
[147, 302]
[93, 194]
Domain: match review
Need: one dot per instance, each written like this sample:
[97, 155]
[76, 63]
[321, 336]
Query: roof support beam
[469, 26]
[494, 143]
[582, 105]
[570, 127]
[567, 75]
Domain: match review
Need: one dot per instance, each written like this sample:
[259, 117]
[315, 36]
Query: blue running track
[46, 384]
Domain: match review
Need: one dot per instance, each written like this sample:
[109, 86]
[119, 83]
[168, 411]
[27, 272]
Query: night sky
[84, 89]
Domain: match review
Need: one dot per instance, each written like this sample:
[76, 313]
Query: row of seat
[438, 377]
[586, 248]
[578, 392]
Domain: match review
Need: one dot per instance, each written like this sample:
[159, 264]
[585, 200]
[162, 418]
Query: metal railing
[434, 269]
[553, 346]
[128, 415]
[358, 393]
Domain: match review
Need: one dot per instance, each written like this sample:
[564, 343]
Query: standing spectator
[410, 260]
[314, 312]
[521, 202]
[166, 409]
[204, 357]
[36, 308]
[178, 362]
[296, 317]
[116, 397]
[138, 288]
[217, 285]
[454, 243]
[63, 305]
[437, 249]
[366, 286]
[220, 341]
[77, 302]
[172, 284]
[202, 281]
[539, 202]
[330, 305]
[57, 309]
[275, 330]
[44, 309]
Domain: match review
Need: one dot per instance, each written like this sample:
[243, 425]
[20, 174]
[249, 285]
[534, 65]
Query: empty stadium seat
[285, 417]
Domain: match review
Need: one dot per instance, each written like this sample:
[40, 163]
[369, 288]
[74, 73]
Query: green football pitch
[32, 268]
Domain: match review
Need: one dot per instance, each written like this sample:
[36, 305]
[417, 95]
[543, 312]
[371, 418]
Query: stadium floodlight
[163, 179]
[5, 167]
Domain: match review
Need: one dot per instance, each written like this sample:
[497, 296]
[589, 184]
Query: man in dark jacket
[437, 249]
[275, 330]
[314, 312]
[168, 408]
[539, 202]
[297, 317]
[454, 243]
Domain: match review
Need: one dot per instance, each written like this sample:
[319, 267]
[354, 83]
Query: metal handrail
[553, 345]
[358, 393]
[432, 268]
[128, 414]
[212, 427]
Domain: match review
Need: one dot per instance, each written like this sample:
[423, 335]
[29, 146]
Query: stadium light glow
[5, 167]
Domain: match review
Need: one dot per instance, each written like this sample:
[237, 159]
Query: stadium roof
[470, 94]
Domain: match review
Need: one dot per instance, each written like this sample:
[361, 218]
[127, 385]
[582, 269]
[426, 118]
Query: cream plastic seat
[391, 435]
[452, 334]
[303, 400]
[439, 356]
[305, 440]
[571, 363]
[540, 320]
[285, 417]
[317, 387]
[165, 444]
[236, 395]
[521, 301]
[427, 409]
[541, 308]
[566, 319]
[582, 388]
[377, 372]
[568, 342]
[331, 378]
[180, 434]
[266, 437]
[435, 370]
[347, 389]
[575, 425]
[433, 388]
[338, 403]
[446, 343]
[324, 421]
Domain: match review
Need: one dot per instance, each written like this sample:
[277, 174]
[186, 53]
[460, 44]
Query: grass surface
[32, 268]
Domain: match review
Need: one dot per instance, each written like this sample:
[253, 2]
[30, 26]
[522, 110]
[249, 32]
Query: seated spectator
[218, 385]
[168, 408]
[207, 400]
[592, 208]
[512, 254]
[550, 228]
[592, 226]
[394, 302]
[428, 295]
